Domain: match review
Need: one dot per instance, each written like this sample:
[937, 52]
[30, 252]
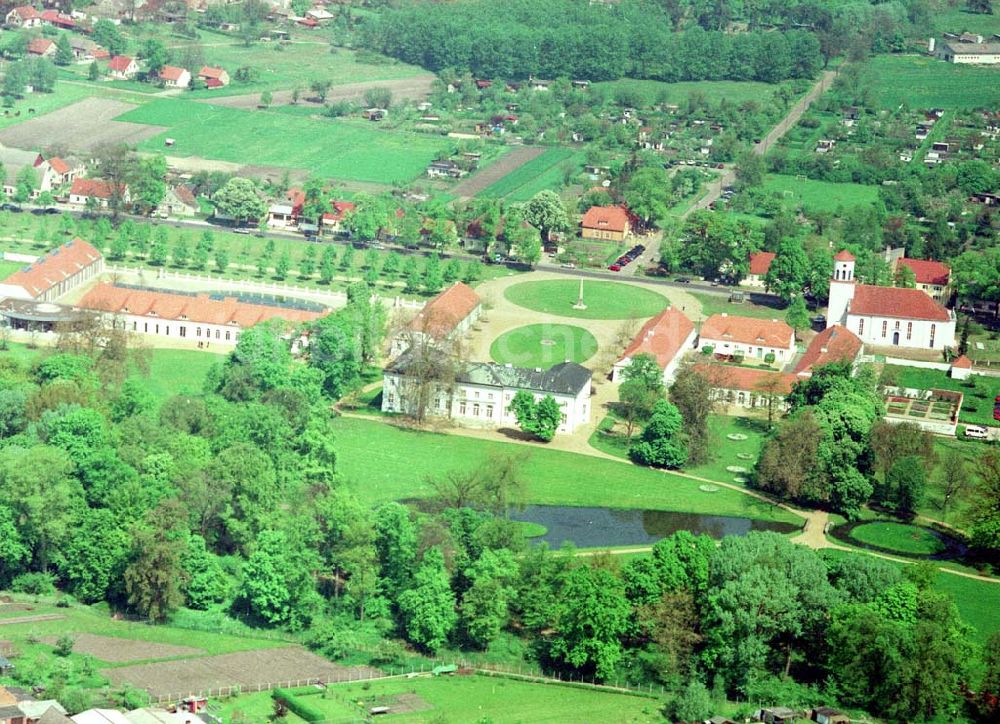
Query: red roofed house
[174, 77]
[54, 274]
[610, 223]
[122, 67]
[666, 337]
[332, 220]
[42, 47]
[961, 368]
[178, 200]
[285, 214]
[185, 316]
[833, 344]
[214, 77]
[100, 191]
[57, 19]
[444, 318]
[56, 172]
[747, 387]
[749, 337]
[887, 316]
[760, 263]
[932, 277]
[24, 17]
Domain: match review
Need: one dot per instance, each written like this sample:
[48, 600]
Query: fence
[14, 256]
[332, 298]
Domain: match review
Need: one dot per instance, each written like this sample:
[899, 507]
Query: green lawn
[329, 148]
[179, 371]
[977, 403]
[257, 707]
[714, 91]
[604, 300]
[899, 537]
[716, 304]
[63, 95]
[815, 196]
[956, 19]
[383, 462]
[542, 172]
[482, 698]
[543, 345]
[9, 267]
[923, 82]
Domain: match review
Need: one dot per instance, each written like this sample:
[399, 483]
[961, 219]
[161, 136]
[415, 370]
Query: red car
[615, 267]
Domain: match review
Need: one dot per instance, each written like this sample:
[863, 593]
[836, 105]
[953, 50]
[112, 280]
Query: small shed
[961, 368]
[829, 715]
[5, 666]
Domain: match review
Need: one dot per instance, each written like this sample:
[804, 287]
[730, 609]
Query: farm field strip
[922, 82]
[511, 161]
[527, 173]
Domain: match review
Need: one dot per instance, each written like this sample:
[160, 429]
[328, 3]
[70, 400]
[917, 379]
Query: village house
[608, 223]
[319, 14]
[86, 49]
[731, 336]
[174, 77]
[971, 53]
[333, 220]
[887, 316]
[13, 161]
[285, 214]
[55, 172]
[41, 47]
[185, 316]
[214, 77]
[931, 277]
[746, 387]
[666, 337]
[833, 344]
[760, 264]
[100, 191]
[445, 169]
[482, 392]
[179, 200]
[23, 16]
[55, 274]
[445, 318]
[961, 368]
[123, 67]
[58, 20]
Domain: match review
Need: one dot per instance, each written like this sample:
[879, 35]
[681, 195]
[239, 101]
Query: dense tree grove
[557, 40]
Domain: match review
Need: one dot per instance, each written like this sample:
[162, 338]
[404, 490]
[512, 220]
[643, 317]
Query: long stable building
[58, 272]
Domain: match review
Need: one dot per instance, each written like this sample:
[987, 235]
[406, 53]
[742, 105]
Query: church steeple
[841, 288]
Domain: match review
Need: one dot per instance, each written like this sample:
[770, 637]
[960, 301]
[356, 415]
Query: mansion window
[476, 394]
[391, 399]
[461, 408]
[475, 410]
[197, 332]
[184, 331]
[861, 327]
[933, 329]
[885, 327]
[909, 330]
[489, 411]
[227, 335]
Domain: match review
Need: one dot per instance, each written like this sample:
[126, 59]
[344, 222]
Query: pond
[607, 527]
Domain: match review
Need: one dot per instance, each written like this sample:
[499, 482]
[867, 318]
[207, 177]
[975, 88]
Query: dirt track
[508, 163]
[415, 88]
[81, 126]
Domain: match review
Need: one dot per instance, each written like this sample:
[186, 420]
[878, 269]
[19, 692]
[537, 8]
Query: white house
[760, 264]
[56, 171]
[482, 392]
[748, 337]
[24, 16]
[54, 274]
[91, 188]
[971, 53]
[446, 317]
[746, 387]
[174, 77]
[887, 316]
[666, 337]
[185, 316]
[123, 67]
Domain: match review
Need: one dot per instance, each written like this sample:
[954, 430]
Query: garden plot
[80, 127]
[115, 650]
[246, 670]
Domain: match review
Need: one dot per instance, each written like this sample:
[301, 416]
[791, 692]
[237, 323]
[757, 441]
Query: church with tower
[887, 316]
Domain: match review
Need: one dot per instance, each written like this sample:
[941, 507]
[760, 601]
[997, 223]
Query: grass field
[383, 463]
[543, 345]
[9, 267]
[814, 196]
[714, 304]
[480, 698]
[178, 371]
[956, 19]
[975, 410]
[713, 90]
[334, 149]
[900, 537]
[543, 172]
[604, 300]
[922, 82]
[64, 95]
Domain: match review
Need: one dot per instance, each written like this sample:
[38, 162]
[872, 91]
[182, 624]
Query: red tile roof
[872, 301]
[120, 63]
[747, 330]
[340, 210]
[95, 187]
[441, 315]
[172, 72]
[186, 195]
[750, 379]
[26, 13]
[833, 344]
[59, 166]
[662, 336]
[213, 83]
[163, 305]
[606, 218]
[211, 72]
[928, 272]
[58, 265]
[962, 362]
[39, 46]
[844, 255]
[760, 262]
[52, 16]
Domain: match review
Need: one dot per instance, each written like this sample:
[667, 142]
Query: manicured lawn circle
[911, 539]
[604, 300]
[543, 345]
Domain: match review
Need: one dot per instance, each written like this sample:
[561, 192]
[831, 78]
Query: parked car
[12, 207]
[976, 431]
[52, 210]
[819, 319]
[682, 280]
[568, 265]
[615, 267]
[241, 230]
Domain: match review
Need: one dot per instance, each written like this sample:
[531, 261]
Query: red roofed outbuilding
[833, 344]
[961, 368]
[747, 387]
[666, 337]
[214, 77]
[447, 316]
[55, 274]
[608, 223]
[748, 337]
[42, 47]
[760, 264]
